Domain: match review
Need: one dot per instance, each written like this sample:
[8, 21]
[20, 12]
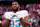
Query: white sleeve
[24, 14]
[6, 15]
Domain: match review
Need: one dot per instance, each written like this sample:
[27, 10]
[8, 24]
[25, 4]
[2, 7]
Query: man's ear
[19, 7]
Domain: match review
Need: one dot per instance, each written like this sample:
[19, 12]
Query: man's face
[15, 5]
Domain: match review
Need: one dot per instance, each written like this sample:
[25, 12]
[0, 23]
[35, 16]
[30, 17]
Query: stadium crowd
[33, 10]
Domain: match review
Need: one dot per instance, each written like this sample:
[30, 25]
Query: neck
[14, 11]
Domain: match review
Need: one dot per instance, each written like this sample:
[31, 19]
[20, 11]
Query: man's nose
[14, 5]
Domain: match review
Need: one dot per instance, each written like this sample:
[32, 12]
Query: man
[18, 18]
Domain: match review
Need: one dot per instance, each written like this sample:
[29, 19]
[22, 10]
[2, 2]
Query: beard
[15, 9]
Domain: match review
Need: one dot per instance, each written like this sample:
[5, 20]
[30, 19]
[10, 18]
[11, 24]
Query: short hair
[15, 1]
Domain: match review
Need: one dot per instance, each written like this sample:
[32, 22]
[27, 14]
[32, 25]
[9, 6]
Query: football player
[17, 17]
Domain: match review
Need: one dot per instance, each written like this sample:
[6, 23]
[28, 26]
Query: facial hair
[15, 9]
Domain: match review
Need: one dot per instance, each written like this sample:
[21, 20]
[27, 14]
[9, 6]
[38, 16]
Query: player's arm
[24, 19]
[6, 20]
[6, 23]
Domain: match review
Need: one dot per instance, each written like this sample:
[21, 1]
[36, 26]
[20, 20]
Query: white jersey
[14, 17]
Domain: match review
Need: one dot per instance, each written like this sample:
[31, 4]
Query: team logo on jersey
[13, 16]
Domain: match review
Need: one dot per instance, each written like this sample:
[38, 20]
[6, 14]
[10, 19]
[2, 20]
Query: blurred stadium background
[32, 6]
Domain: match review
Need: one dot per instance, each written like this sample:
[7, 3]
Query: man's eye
[15, 4]
[12, 4]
